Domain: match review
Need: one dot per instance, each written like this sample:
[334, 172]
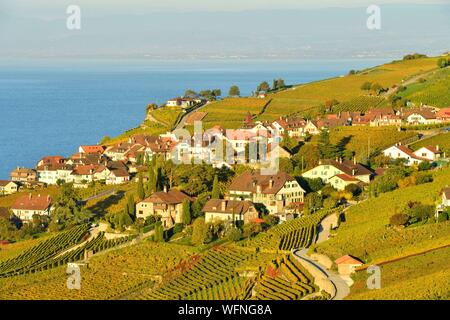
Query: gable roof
[346, 177]
[433, 149]
[4, 183]
[270, 184]
[443, 113]
[348, 167]
[92, 149]
[32, 202]
[348, 260]
[231, 206]
[169, 197]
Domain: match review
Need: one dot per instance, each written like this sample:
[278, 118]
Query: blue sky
[216, 28]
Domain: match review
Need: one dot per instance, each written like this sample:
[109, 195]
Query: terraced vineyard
[296, 233]
[38, 257]
[291, 282]
[361, 103]
[208, 270]
[285, 106]
[228, 290]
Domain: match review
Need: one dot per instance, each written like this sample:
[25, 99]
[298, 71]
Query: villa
[26, 206]
[275, 192]
[348, 171]
[8, 187]
[403, 152]
[166, 204]
[230, 210]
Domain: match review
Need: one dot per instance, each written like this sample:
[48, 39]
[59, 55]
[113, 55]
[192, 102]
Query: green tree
[158, 235]
[215, 193]
[131, 208]
[366, 86]
[68, 210]
[234, 91]
[217, 93]
[189, 92]
[327, 150]
[443, 62]
[199, 232]
[140, 188]
[263, 86]
[186, 217]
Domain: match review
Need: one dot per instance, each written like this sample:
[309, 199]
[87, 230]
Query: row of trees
[276, 85]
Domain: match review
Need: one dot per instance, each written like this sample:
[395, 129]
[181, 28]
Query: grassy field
[147, 128]
[167, 115]
[365, 233]
[435, 91]
[442, 140]
[360, 139]
[425, 276]
[348, 87]
[282, 106]
[230, 112]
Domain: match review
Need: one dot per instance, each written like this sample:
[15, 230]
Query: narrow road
[182, 122]
[341, 288]
[99, 195]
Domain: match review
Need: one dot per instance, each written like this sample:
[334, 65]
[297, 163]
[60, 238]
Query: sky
[218, 28]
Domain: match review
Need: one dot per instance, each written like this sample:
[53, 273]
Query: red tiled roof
[348, 167]
[443, 113]
[348, 260]
[231, 206]
[93, 149]
[346, 177]
[32, 202]
[433, 149]
[249, 181]
[170, 197]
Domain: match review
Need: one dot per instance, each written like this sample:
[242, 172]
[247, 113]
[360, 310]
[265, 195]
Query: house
[91, 149]
[429, 153]
[82, 175]
[117, 176]
[312, 128]
[28, 205]
[443, 115]
[8, 187]
[420, 116]
[166, 204]
[330, 168]
[181, 102]
[275, 192]
[118, 151]
[403, 152]
[347, 265]
[341, 181]
[50, 161]
[293, 127]
[230, 210]
[23, 175]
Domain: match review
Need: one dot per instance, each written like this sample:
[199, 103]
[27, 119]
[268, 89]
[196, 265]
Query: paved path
[182, 122]
[100, 194]
[341, 288]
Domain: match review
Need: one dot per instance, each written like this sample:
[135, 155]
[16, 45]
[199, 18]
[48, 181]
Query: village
[280, 194]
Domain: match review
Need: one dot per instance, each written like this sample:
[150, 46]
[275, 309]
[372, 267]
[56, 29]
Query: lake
[50, 107]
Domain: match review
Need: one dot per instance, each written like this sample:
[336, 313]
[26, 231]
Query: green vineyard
[216, 267]
[57, 251]
[362, 103]
[228, 290]
[34, 258]
[291, 282]
[296, 233]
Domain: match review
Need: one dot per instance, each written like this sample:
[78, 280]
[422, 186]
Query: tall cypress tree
[186, 217]
[215, 193]
[140, 188]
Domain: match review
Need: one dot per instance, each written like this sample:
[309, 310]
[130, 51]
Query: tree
[234, 234]
[140, 188]
[366, 86]
[327, 150]
[399, 219]
[68, 210]
[234, 91]
[131, 209]
[158, 235]
[186, 216]
[215, 193]
[199, 232]
[278, 84]
[313, 202]
[263, 86]
[443, 62]
[377, 88]
[189, 93]
[217, 92]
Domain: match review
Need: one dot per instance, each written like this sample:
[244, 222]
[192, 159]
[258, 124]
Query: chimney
[353, 172]
[340, 160]
[258, 189]
[165, 189]
[223, 205]
[437, 147]
[354, 160]
[29, 196]
[271, 183]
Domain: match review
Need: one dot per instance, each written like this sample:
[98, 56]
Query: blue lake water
[52, 107]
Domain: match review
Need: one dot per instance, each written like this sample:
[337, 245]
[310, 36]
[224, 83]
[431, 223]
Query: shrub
[443, 217]
[399, 219]
[178, 227]
[354, 189]
[424, 166]
[423, 178]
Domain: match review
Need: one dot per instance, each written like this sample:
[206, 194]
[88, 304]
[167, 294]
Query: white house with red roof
[399, 151]
[340, 181]
[347, 264]
[431, 153]
[26, 206]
